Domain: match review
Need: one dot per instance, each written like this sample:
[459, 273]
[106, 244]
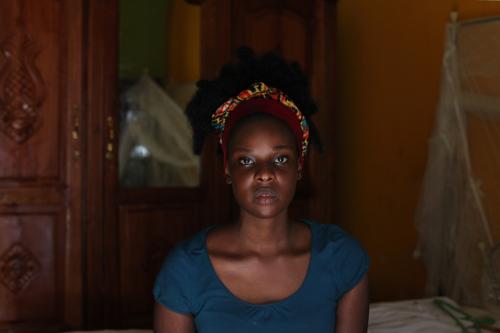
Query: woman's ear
[227, 177]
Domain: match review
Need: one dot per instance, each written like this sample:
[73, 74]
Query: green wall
[142, 37]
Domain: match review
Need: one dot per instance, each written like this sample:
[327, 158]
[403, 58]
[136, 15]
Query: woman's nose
[265, 173]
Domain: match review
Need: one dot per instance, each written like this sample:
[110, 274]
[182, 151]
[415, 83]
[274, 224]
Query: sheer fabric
[458, 217]
[156, 140]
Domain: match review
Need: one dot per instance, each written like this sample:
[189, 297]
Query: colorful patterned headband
[261, 98]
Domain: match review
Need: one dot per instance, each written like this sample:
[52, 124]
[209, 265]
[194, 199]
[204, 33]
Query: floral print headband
[261, 98]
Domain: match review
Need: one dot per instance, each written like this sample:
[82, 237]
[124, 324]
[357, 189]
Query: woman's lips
[265, 195]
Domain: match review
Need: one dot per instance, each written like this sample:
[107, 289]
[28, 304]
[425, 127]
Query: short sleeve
[173, 286]
[352, 264]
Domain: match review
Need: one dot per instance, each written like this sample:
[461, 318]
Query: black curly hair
[269, 68]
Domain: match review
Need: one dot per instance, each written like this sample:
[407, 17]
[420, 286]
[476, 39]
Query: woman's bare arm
[352, 310]
[167, 321]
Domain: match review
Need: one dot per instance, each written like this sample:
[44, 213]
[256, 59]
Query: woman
[264, 272]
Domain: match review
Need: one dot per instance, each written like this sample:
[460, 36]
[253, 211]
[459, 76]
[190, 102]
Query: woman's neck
[265, 236]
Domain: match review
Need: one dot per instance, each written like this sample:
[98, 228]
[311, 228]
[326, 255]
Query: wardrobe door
[302, 31]
[299, 31]
[139, 207]
[40, 165]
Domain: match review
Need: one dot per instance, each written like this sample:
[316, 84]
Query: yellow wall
[389, 61]
[183, 42]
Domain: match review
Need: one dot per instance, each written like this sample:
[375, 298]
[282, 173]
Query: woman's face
[263, 166]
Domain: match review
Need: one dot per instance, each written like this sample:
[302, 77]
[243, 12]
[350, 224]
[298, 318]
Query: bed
[435, 315]
[430, 315]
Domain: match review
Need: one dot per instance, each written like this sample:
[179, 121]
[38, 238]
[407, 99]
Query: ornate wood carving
[18, 267]
[22, 89]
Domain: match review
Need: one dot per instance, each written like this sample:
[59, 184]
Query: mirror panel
[159, 63]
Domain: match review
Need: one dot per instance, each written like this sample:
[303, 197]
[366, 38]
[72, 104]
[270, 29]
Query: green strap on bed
[460, 316]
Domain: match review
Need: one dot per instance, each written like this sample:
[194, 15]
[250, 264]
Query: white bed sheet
[413, 316]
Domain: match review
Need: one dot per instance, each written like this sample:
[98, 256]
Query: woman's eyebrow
[244, 149]
[280, 147]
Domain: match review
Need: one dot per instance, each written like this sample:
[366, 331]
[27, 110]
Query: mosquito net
[458, 218]
[156, 140]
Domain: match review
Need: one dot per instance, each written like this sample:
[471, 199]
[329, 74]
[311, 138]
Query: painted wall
[183, 42]
[162, 37]
[389, 62]
[138, 53]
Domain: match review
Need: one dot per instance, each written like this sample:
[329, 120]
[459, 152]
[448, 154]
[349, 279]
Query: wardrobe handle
[111, 137]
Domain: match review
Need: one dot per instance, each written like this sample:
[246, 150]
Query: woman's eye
[281, 160]
[245, 161]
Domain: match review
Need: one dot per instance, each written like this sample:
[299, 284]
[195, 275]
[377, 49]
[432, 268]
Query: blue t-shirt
[187, 283]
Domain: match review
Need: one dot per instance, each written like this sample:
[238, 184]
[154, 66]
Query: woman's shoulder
[328, 232]
[175, 282]
[340, 254]
[188, 253]
[332, 238]
[193, 245]
[221, 240]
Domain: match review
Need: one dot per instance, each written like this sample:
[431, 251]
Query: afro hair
[269, 68]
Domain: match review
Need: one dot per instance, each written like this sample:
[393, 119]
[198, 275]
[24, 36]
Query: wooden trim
[101, 101]
[160, 195]
[73, 104]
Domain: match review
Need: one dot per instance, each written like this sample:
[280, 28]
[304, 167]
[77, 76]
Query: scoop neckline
[285, 300]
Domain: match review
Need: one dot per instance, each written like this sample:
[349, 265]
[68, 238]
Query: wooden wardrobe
[77, 251]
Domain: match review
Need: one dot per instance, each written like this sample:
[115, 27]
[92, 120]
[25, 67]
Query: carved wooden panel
[18, 267]
[147, 233]
[40, 174]
[28, 266]
[30, 66]
[22, 90]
